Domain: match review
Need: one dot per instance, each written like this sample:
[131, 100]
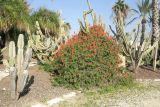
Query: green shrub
[87, 60]
[147, 60]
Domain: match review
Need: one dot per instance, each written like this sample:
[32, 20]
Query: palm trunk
[143, 30]
[155, 28]
[120, 26]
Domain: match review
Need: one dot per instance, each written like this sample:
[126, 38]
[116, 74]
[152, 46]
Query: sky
[73, 9]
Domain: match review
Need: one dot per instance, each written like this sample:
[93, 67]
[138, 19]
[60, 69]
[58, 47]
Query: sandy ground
[39, 89]
[148, 96]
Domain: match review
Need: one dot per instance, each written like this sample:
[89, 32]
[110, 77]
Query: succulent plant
[134, 51]
[44, 45]
[85, 27]
[18, 65]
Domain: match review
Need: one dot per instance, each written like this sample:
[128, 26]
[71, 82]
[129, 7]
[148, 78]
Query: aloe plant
[18, 65]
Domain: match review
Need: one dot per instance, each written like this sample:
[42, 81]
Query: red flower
[109, 38]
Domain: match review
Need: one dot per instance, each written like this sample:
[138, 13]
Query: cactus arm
[23, 77]
[28, 58]
[11, 67]
[20, 58]
[13, 75]
[82, 28]
[2, 50]
[12, 53]
[90, 8]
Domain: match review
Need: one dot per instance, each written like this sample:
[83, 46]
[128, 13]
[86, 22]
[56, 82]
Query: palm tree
[155, 28]
[14, 15]
[120, 10]
[143, 11]
[48, 20]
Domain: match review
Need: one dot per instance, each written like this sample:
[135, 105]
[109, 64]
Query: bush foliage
[87, 60]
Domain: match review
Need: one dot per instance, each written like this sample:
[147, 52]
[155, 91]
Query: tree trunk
[120, 28]
[143, 30]
[155, 29]
[155, 58]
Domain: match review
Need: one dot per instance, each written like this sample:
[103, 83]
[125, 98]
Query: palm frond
[132, 20]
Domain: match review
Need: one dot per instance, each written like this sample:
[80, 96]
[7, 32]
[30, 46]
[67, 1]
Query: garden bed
[146, 72]
[40, 90]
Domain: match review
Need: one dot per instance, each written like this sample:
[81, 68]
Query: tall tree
[131, 50]
[14, 14]
[155, 29]
[47, 19]
[144, 7]
[120, 10]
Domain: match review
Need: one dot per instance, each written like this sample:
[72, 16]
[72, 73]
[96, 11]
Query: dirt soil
[147, 73]
[40, 89]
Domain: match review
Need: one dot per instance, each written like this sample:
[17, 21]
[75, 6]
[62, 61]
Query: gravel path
[149, 96]
[146, 96]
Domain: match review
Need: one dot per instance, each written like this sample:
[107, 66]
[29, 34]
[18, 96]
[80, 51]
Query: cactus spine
[18, 69]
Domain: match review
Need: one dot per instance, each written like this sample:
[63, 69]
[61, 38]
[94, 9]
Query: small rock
[6, 70]
[4, 89]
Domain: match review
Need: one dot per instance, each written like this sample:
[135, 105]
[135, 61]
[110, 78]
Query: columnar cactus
[134, 51]
[18, 68]
[85, 28]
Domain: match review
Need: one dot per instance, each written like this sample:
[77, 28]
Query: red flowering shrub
[87, 60]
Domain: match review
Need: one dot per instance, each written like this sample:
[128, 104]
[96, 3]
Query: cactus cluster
[18, 65]
[134, 50]
[44, 45]
[85, 27]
